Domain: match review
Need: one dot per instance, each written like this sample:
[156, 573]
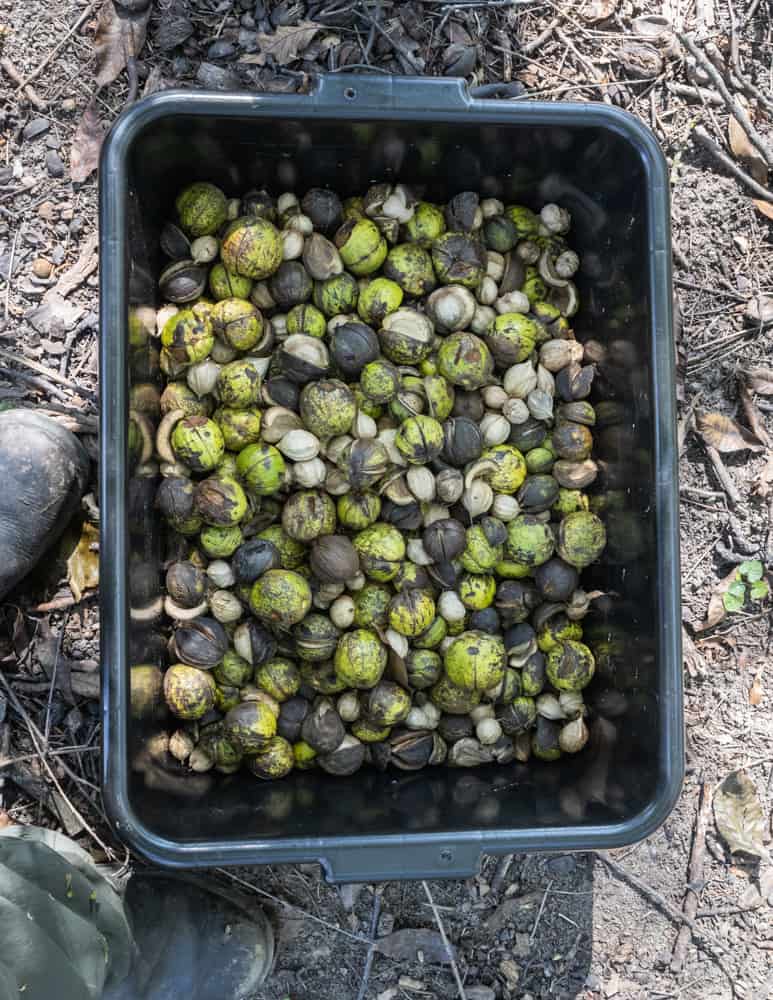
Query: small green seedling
[748, 585]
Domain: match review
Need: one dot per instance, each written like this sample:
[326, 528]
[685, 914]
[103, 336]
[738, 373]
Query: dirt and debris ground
[551, 926]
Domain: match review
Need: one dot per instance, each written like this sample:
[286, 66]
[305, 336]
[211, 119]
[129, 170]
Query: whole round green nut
[475, 661]
[226, 698]
[431, 637]
[278, 677]
[581, 538]
[517, 716]
[306, 318]
[361, 245]
[411, 267]
[380, 381]
[419, 439]
[238, 384]
[250, 726]
[303, 755]
[465, 360]
[225, 284]
[451, 698]
[368, 731]
[381, 549]
[321, 677]
[188, 691]
[252, 247]
[239, 427]
[262, 468]
[276, 761]
[411, 612]
[220, 542]
[180, 396]
[539, 460]
[570, 665]
[198, 442]
[534, 288]
[336, 296]
[281, 597]
[188, 336]
[327, 408]
[424, 668]
[527, 223]
[500, 234]
[512, 337]
[477, 591]
[458, 259]
[220, 501]
[387, 704]
[202, 209]
[569, 502]
[371, 605]
[380, 297]
[292, 553]
[529, 540]
[510, 469]
[479, 555]
[238, 322]
[360, 659]
[308, 514]
[358, 510]
[426, 224]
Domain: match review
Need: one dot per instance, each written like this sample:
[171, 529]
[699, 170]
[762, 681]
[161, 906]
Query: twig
[62, 603]
[727, 484]
[686, 423]
[29, 92]
[84, 685]
[694, 93]
[539, 912]
[586, 64]
[9, 273]
[48, 373]
[446, 945]
[35, 382]
[41, 66]
[703, 139]
[36, 737]
[531, 47]
[751, 11]
[740, 114]
[406, 55]
[694, 878]
[372, 950]
[503, 867]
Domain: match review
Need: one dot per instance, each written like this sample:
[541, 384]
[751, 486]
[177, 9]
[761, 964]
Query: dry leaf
[764, 485]
[285, 45]
[403, 946]
[743, 150]
[86, 144]
[765, 207]
[756, 691]
[692, 658]
[738, 815]
[83, 563]
[753, 416]
[120, 36]
[724, 434]
[760, 309]
[760, 380]
[716, 611]
[598, 10]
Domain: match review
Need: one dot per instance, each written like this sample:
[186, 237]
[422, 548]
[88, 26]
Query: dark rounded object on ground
[556, 579]
[352, 346]
[468, 404]
[44, 469]
[284, 392]
[462, 441]
[253, 558]
[486, 620]
[406, 517]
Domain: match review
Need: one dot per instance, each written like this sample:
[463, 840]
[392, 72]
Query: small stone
[522, 945]
[42, 268]
[221, 49]
[407, 983]
[76, 226]
[54, 164]
[510, 972]
[562, 866]
[479, 993]
[386, 924]
[47, 211]
[38, 126]
[28, 181]
[69, 105]
[57, 254]
[217, 77]
[52, 141]
[6, 174]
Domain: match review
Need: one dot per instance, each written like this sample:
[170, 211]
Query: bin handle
[385, 93]
[377, 863]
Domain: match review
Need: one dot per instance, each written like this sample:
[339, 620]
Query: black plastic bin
[352, 130]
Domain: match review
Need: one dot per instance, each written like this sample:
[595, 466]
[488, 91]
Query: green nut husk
[529, 540]
[420, 439]
[188, 691]
[262, 468]
[465, 360]
[276, 761]
[202, 209]
[387, 704]
[225, 284]
[252, 247]
[358, 510]
[238, 384]
[570, 665]
[371, 605]
[306, 318]
[233, 670]
[278, 677]
[451, 698]
[511, 338]
[360, 659]
[239, 427]
[425, 225]
[581, 538]
[381, 549]
[188, 336]
[361, 245]
[475, 661]
[411, 611]
[308, 514]
[517, 716]
[423, 667]
[337, 295]
[411, 267]
[280, 597]
[479, 555]
[198, 442]
[380, 297]
[220, 542]
[380, 381]
[251, 726]
[220, 500]
[292, 553]
[458, 259]
[557, 629]
[510, 469]
[477, 591]
[328, 408]
[237, 322]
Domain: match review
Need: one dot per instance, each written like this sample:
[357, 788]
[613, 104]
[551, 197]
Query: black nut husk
[253, 558]
[291, 716]
[186, 584]
[352, 346]
[410, 751]
[347, 757]
[334, 559]
[515, 601]
[322, 729]
[556, 579]
[200, 643]
[455, 727]
[462, 442]
[324, 209]
[290, 285]
[444, 540]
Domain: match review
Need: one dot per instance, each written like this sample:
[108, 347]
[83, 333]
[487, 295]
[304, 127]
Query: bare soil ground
[549, 926]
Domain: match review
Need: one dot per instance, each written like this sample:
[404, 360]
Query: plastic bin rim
[403, 100]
